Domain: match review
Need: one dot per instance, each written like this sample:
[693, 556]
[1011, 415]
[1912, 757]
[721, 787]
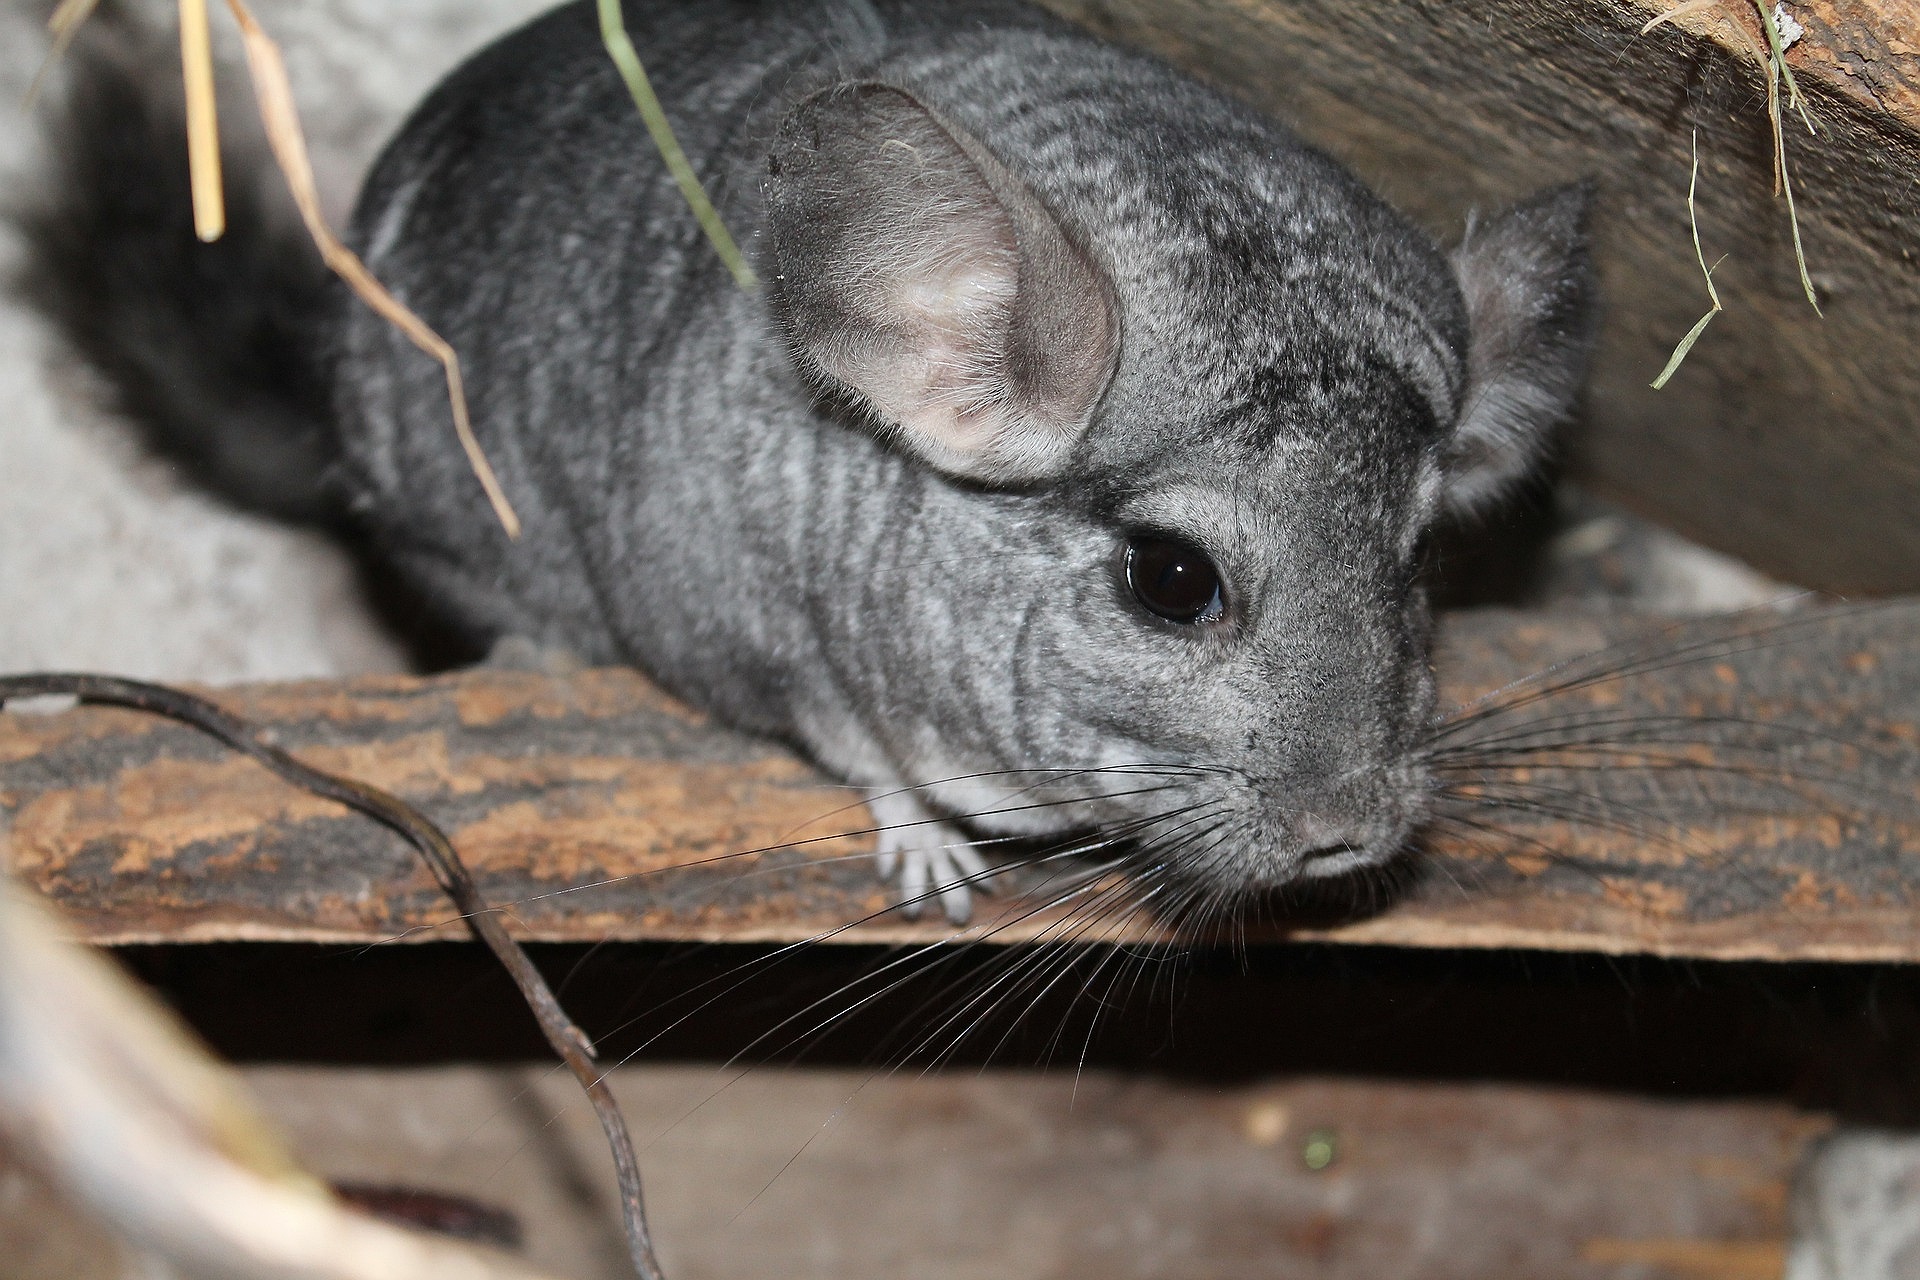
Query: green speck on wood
[1319, 1150]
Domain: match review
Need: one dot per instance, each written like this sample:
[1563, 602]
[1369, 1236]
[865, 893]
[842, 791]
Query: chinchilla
[1067, 479]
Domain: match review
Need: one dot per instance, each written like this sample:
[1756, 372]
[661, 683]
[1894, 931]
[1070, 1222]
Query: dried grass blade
[1678, 12]
[203, 128]
[1772, 57]
[1778, 50]
[1685, 345]
[1777, 72]
[613, 34]
[1799, 251]
[64, 24]
[284, 136]
[1700, 255]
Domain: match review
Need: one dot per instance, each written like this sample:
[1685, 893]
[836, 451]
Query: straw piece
[63, 23]
[1778, 71]
[1679, 11]
[203, 129]
[1700, 325]
[282, 121]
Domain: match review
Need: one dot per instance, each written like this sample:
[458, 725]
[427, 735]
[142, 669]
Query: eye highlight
[1174, 580]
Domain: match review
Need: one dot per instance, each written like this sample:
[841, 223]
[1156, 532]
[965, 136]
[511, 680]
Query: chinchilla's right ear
[1528, 279]
[916, 275]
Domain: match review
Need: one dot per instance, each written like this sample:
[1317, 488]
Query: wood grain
[1115, 1177]
[845, 1175]
[1744, 789]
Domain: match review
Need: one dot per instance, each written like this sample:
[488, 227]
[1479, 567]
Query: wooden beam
[1083, 1175]
[1093, 1175]
[1733, 789]
[1788, 438]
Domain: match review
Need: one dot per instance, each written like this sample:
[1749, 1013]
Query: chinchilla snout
[1333, 781]
[1319, 827]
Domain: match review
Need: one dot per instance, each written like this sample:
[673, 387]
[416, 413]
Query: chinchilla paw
[929, 857]
[513, 652]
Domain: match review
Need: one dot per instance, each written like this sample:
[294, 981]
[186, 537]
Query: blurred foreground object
[1856, 1209]
[110, 1100]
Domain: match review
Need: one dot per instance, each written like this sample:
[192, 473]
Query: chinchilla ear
[1528, 280]
[916, 274]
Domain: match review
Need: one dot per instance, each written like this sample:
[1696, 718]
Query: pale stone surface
[1856, 1209]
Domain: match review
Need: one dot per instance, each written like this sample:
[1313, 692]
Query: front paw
[515, 652]
[931, 857]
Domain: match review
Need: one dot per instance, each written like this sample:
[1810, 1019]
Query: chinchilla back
[686, 508]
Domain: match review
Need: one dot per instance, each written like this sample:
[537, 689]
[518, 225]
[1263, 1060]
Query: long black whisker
[1601, 666]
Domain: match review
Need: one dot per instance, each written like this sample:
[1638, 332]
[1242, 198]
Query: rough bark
[1733, 790]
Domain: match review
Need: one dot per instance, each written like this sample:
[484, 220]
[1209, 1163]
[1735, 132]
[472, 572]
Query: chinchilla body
[1052, 341]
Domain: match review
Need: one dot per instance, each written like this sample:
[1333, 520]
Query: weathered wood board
[1012, 1175]
[1788, 439]
[1746, 789]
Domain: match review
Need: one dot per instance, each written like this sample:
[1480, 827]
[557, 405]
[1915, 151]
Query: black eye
[1173, 579]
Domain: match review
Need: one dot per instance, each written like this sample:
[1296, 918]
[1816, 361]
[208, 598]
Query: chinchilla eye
[1174, 579]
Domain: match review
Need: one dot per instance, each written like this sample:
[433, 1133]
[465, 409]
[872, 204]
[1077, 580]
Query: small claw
[913, 886]
[971, 867]
[958, 902]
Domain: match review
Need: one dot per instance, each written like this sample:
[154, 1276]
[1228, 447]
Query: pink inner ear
[922, 276]
[973, 298]
[950, 312]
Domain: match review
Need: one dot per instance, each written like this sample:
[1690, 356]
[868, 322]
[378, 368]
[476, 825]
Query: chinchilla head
[1188, 397]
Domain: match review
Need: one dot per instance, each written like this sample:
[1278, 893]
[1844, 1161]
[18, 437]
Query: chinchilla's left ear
[1528, 280]
[921, 279]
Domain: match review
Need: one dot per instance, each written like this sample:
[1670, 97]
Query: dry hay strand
[286, 139]
[1772, 60]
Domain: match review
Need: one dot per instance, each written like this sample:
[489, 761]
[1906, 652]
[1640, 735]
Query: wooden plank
[1758, 800]
[1788, 439]
[1107, 1175]
[842, 1175]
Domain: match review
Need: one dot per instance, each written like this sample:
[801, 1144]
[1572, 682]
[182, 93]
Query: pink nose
[1323, 838]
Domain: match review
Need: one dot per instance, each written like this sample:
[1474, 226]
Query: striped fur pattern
[1029, 296]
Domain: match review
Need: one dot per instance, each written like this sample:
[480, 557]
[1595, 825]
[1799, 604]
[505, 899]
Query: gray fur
[782, 506]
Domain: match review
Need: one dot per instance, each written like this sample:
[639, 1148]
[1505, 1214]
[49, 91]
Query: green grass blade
[613, 33]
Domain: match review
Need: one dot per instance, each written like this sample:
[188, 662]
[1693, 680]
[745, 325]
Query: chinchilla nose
[1320, 837]
[1329, 825]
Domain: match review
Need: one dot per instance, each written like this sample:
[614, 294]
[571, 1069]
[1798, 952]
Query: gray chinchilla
[1066, 480]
